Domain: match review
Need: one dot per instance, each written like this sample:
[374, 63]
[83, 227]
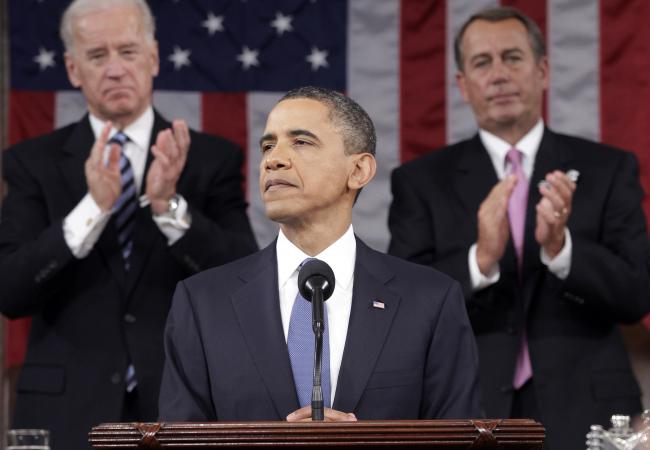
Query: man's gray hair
[356, 127]
[499, 14]
[80, 7]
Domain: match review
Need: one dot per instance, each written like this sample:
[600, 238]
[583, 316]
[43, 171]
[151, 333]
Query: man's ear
[363, 170]
[155, 59]
[71, 68]
[460, 81]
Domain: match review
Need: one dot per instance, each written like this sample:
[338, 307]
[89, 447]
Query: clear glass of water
[28, 440]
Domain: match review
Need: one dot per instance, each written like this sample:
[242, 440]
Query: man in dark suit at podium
[399, 341]
[79, 251]
[549, 263]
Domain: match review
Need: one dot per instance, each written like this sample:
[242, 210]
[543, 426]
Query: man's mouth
[503, 97]
[276, 184]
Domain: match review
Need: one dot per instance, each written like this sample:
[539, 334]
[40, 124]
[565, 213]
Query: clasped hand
[552, 213]
[169, 152]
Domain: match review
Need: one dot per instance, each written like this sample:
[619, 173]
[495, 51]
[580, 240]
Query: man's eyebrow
[267, 137]
[300, 132]
[512, 50]
[480, 55]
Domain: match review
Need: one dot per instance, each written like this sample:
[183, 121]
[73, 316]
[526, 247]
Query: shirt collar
[340, 256]
[528, 145]
[139, 132]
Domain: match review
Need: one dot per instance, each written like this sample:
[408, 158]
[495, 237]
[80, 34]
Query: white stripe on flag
[258, 107]
[574, 96]
[69, 107]
[180, 105]
[373, 82]
[460, 119]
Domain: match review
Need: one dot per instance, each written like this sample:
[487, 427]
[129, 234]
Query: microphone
[316, 284]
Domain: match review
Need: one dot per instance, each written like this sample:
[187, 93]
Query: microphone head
[315, 274]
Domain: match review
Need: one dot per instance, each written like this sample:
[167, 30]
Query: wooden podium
[506, 434]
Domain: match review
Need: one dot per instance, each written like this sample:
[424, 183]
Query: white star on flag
[213, 23]
[317, 58]
[44, 59]
[180, 57]
[282, 23]
[248, 58]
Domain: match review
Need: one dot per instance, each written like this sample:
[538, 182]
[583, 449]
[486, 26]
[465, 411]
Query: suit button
[512, 330]
[129, 318]
[116, 378]
[506, 389]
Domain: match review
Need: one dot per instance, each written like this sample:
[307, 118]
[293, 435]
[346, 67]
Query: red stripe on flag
[537, 11]
[30, 114]
[422, 77]
[624, 86]
[226, 114]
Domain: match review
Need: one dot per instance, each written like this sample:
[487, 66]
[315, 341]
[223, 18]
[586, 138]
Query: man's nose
[277, 158]
[499, 72]
[115, 67]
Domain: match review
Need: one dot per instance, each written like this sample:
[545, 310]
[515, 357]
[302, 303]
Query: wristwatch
[172, 205]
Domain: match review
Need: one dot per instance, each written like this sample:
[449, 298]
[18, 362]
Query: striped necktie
[127, 203]
[300, 342]
[124, 211]
[517, 215]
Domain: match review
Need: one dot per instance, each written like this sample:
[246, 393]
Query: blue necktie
[300, 341]
[127, 203]
[124, 211]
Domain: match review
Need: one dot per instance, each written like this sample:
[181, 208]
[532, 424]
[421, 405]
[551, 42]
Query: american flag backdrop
[224, 63]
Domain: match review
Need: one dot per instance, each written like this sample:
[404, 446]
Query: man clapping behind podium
[400, 344]
[77, 252]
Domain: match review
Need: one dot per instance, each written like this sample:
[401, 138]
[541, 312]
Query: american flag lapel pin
[378, 304]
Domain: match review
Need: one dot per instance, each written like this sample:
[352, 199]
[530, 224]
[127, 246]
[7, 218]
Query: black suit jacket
[227, 358]
[581, 371]
[90, 317]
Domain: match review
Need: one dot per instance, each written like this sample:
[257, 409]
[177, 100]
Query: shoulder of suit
[42, 146]
[590, 149]
[440, 159]
[207, 141]
[227, 273]
[403, 270]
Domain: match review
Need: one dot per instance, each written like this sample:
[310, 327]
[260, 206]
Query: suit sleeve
[220, 230]
[185, 389]
[413, 231]
[33, 251]
[451, 376]
[611, 271]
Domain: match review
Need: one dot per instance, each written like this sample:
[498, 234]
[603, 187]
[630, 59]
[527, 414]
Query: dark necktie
[517, 216]
[124, 211]
[127, 203]
[300, 342]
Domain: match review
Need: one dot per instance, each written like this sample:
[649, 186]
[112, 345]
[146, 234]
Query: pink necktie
[517, 215]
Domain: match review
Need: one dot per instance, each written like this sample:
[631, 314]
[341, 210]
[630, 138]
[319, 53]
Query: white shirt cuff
[478, 280]
[174, 226]
[560, 266]
[83, 226]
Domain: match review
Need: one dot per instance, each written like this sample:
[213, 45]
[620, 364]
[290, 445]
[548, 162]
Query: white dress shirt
[340, 256]
[85, 223]
[497, 149]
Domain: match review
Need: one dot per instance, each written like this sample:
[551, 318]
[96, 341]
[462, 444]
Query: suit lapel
[476, 178]
[549, 158]
[146, 231]
[76, 150]
[476, 175]
[367, 329]
[257, 308]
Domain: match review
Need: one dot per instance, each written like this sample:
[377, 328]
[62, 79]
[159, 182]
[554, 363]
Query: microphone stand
[317, 405]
